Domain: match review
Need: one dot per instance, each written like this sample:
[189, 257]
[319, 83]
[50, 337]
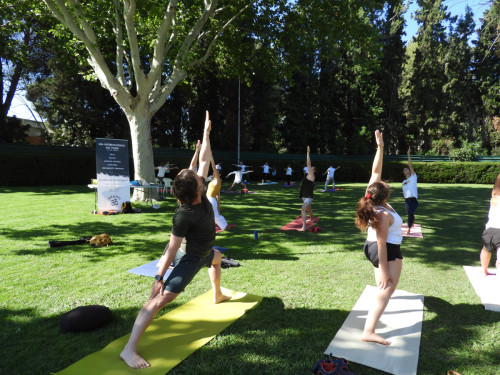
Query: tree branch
[193, 33]
[160, 51]
[128, 15]
[118, 30]
[216, 38]
[96, 60]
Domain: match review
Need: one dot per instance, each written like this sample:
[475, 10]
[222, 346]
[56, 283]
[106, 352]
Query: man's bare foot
[221, 298]
[373, 337]
[408, 231]
[134, 360]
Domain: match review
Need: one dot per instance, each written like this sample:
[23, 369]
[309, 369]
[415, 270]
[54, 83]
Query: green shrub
[468, 152]
[42, 166]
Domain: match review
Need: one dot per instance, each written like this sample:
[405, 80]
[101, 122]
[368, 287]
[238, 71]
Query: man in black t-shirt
[307, 192]
[190, 248]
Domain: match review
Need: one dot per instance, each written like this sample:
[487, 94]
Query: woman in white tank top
[491, 233]
[382, 246]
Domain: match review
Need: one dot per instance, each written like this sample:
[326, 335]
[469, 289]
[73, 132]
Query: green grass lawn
[309, 281]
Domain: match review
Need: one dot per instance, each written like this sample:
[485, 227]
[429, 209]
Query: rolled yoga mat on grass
[486, 287]
[401, 323]
[170, 338]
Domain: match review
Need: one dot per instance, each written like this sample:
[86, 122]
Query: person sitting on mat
[491, 233]
[307, 192]
[213, 195]
[190, 249]
[383, 243]
[410, 192]
[330, 173]
[238, 177]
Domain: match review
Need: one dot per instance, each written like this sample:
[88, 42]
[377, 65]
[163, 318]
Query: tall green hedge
[32, 166]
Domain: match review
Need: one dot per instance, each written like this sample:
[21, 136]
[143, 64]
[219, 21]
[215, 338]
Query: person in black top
[307, 192]
[190, 248]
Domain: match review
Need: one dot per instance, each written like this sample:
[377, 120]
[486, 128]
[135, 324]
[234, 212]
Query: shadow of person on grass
[448, 329]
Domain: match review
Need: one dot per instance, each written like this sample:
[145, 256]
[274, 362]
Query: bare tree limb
[128, 15]
[216, 38]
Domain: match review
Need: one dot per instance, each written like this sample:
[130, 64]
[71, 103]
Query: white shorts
[307, 201]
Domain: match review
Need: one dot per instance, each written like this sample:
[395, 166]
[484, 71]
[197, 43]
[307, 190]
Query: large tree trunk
[142, 152]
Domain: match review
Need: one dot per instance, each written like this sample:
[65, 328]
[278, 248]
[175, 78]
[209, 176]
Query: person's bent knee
[217, 258]
[159, 301]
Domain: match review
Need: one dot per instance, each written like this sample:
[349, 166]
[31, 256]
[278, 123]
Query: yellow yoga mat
[171, 338]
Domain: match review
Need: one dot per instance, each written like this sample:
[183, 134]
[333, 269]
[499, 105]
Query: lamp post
[238, 120]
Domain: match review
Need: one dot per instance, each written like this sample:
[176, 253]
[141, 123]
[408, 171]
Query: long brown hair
[376, 195]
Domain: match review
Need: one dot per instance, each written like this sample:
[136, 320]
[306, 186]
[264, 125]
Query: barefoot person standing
[410, 192]
[307, 192]
[491, 233]
[190, 249]
[382, 246]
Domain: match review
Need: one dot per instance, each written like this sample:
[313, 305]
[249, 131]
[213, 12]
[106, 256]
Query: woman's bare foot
[303, 229]
[221, 298]
[133, 360]
[373, 337]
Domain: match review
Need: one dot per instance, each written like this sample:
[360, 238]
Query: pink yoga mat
[297, 224]
[217, 228]
[415, 231]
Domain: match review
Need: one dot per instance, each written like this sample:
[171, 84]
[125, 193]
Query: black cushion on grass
[85, 318]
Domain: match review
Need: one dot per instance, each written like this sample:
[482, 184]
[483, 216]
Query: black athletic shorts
[186, 267]
[491, 239]
[371, 252]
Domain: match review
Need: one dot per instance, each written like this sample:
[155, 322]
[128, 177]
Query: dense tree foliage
[22, 55]
[323, 73]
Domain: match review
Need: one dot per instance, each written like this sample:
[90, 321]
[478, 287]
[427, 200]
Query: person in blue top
[410, 192]
[383, 242]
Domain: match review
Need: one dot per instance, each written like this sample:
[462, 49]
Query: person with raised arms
[383, 242]
[410, 192]
[307, 192]
[190, 249]
[265, 172]
[213, 195]
[330, 173]
[238, 179]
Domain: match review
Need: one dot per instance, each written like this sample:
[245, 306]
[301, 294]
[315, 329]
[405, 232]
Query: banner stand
[113, 179]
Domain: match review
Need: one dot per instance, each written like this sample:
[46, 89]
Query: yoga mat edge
[170, 338]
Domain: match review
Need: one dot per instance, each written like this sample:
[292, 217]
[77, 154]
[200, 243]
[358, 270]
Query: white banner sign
[113, 180]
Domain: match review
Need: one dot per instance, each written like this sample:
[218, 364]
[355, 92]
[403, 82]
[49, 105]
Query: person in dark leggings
[410, 192]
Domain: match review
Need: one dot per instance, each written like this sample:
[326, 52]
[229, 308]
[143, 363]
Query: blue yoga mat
[149, 269]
